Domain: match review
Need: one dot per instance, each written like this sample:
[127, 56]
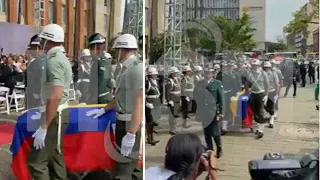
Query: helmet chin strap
[44, 46]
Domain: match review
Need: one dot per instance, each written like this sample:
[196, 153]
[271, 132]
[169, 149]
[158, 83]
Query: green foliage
[299, 23]
[236, 34]
[278, 46]
[156, 48]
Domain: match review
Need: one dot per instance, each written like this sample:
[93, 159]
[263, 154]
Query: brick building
[79, 18]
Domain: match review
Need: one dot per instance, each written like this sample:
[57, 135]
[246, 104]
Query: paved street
[296, 133]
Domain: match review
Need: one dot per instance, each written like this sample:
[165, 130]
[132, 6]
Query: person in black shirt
[311, 73]
[303, 72]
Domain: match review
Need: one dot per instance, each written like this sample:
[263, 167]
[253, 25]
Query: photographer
[184, 160]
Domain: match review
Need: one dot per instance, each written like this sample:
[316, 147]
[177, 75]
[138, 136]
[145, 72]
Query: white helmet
[107, 55]
[267, 64]
[248, 66]
[85, 52]
[198, 68]
[125, 41]
[216, 66]
[186, 68]
[255, 62]
[152, 71]
[52, 32]
[174, 70]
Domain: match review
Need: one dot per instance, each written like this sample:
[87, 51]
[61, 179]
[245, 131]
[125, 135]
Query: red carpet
[6, 133]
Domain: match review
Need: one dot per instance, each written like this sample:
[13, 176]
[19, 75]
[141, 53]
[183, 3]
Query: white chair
[18, 97]
[72, 93]
[4, 100]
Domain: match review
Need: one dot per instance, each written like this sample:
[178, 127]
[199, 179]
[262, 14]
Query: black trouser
[185, 107]
[212, 131]
[259, 112]
[127, 170]
[270, 108]
[312, 78]
[288, 85]
[303, 79]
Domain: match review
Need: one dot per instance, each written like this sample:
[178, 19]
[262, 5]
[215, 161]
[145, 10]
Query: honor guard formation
[212, 93]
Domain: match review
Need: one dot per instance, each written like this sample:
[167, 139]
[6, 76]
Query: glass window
[86, 17]
[51, 12]
[85, 41]
[3, 6]
[146, 16]
[64, 15]
[106, 28]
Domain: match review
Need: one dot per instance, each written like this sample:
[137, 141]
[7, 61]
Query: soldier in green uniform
[46, 160]
[100, 73]
[34, 70]
[173, 96]
[128, 102]
[229, 84]
[273, 92]
[209, 95]
[187, 86]
[281, 78]
[257, 80]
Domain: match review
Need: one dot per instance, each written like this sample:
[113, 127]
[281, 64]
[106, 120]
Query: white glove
[83, 103]
[96, 113]
[171, 103]
[149, 105]
[127, 144]
[237, 93]
[36, 116]
[265, 99]
[39, 138]
[78, 93]
[187, 99]
[36, 96]
[232, 98]
[275, 98]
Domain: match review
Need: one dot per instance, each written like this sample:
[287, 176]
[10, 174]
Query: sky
[278, 14]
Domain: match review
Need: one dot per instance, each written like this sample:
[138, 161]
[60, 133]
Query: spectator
[182, 160]
[8, 73]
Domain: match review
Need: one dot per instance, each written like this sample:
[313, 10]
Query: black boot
[259, 135]
[219, 152]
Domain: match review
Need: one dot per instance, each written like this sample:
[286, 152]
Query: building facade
[79, 18]
[231, 9]
[316, 40]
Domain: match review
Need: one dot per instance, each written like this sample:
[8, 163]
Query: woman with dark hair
[182, 160]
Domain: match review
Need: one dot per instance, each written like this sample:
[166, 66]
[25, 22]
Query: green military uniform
[173, 93]
[100, 91]
[57, 72]
[209, 96]
[187, 87]
[33, 82]
[130, 81]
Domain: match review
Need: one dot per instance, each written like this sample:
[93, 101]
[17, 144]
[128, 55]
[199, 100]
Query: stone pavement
[296, 132]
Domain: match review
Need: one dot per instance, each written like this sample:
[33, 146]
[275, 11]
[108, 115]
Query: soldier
[83, 82]
[281, 79]
[229, 82]
[273, 92]
[173, 96]
[47, 153]
[198, 74]
[153, 109]
[128, 102]
[187, 86]
[257, 80]
[34, 70]
[209, 95]
[100, 73]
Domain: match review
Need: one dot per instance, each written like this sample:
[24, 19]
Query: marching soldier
[46, 160]
[83, 82]
[153, 109]
[209, 95]
[100, 73]
[198, 74]
[173, 96]
[257, 79]
[128, 102]
[273, 92]
[34, 71]
[281, 79]
[229, 82]
[187, 86]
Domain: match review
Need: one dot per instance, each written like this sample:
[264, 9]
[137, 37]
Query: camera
[276, 166]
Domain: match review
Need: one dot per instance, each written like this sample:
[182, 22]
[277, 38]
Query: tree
[299, 23]
[156, 48]
[236, 34]
[276, 46]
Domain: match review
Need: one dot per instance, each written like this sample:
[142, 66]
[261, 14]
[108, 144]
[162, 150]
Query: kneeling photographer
[185, 159]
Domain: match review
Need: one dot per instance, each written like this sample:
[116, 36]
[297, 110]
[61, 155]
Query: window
[146, 16]
[51, 12]
[105, 2]
[3, 6]
[64, 15]
[86, 18]
[85, 41]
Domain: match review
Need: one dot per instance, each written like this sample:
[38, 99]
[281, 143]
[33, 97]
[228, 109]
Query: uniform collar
[54, 50]
[129, 60]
